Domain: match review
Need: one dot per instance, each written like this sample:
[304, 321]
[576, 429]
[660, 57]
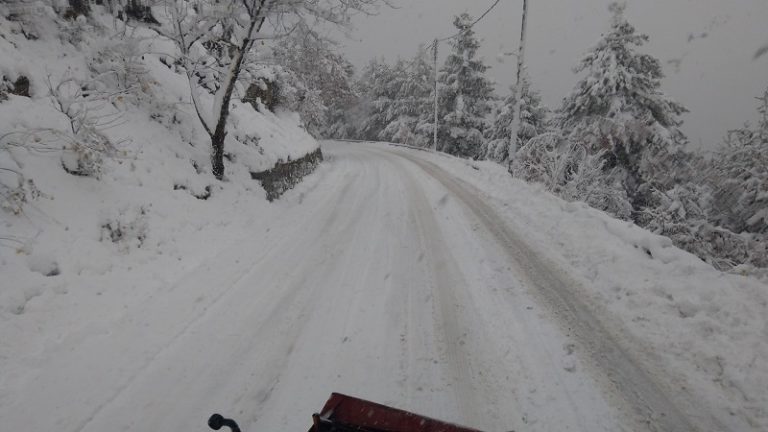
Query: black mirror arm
[217, 421]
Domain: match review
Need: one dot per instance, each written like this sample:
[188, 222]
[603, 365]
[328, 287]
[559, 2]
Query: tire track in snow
[284, 301]
[97, 365]
[630, 382]
[339, 345]
[447, 278]
[476, 381]
[273, 319]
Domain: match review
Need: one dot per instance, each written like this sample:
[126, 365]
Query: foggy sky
[705, 46]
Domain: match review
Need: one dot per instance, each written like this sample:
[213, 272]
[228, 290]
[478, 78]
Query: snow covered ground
[701, 335]
[423, 281]
[152, 194]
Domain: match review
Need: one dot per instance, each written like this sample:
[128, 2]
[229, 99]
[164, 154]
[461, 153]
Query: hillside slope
[104, 167]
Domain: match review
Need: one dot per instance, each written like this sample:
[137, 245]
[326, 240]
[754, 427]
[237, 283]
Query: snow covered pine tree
[465, 95]
[618, 108]
[740, 179]
[412, 86]
[533, 121]
[377, 95]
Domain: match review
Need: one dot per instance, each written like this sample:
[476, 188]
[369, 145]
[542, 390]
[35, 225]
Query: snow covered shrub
[589, 182]
[248, 140]
[757, 248]
[138, 10]
[264, 92]
[168, 115]
[127, 228]
[33, 19]
[84, 154]
[116, 67]
[677, 211]
[720, 247]
[570, 171]
[322, 76]
[403, 130]
[75, 31]
[84, 147]
[497, 150]
[20, 86]
[16, 191]
[740, 177]
[5, 88]
[311, 110]
[77, 9]
[723, 249]
[546, 159]
[682, 214]
[276, 87]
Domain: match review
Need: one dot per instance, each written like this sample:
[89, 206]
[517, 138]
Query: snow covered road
[384, 278]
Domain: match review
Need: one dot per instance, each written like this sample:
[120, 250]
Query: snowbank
[709, 329]
[82, 248]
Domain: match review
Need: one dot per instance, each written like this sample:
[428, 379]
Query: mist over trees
[614, 143]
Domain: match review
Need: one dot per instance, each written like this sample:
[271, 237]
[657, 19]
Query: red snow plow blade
[348, 414]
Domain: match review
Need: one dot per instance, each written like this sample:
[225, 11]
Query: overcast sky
[706, 47]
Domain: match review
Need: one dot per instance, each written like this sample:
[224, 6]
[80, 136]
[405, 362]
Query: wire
[431, 44]
[486, 13]
[473, 24]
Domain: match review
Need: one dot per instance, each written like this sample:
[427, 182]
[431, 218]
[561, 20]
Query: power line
[434, 46]
[474, 23]
[486, 13]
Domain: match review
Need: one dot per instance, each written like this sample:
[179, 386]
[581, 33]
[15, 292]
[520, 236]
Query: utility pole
[516, 117]
[434, 54]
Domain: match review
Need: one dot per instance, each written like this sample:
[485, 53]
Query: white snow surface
[702, 333]
[414, 279]
[418, 280]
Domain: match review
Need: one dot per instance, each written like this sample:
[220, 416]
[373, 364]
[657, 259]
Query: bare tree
[216, 38]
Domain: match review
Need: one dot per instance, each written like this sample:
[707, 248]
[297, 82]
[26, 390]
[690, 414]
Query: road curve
[623, 377]
[386, 278]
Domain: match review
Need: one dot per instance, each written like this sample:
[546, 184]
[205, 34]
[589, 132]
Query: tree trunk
[220, 133]
[217, 150]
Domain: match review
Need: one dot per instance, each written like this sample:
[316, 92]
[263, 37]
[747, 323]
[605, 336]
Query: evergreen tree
[465, 95]
[618, 107]
[532, 123]
[377, 94]
[741, 177]
[721, 214]
[411, 85]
